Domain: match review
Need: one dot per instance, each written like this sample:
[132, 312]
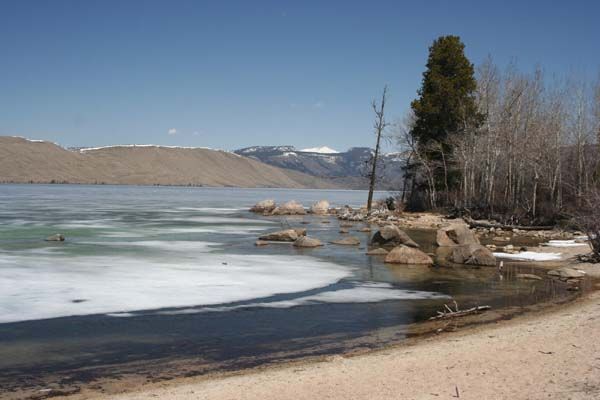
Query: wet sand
[552, 354]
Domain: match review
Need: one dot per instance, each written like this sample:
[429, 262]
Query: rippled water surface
[151, 273]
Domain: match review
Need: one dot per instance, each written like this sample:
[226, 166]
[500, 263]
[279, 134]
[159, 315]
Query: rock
[326, 221]
[289, 208]
[529, 277]
[344, 230]
[288, 235]
[346, 225]
[377, 252]
[391, 235]
[443, 240]
[261, 243]
[457, 234]
[300, 231]
[472, 254]
[305, 241]
[347, 241]
[265, 206]
[501, 239]
[407, 255]
[321, 207]
[566, 273]
[491, 246]
[58, 237]
[366, 229]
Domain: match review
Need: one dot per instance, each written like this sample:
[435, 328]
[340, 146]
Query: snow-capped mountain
[348, 168]
[322, 150]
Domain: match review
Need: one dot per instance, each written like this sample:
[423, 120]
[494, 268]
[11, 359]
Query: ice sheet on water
[38, 287]
[220, 220]
[369, 292]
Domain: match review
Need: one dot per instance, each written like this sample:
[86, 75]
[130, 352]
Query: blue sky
[229, 74]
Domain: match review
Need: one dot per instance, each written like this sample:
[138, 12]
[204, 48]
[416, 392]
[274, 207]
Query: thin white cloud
[319, 104]
[172, 131]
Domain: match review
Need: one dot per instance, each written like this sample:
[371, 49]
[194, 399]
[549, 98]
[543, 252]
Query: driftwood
[450, 313]
[486, 224]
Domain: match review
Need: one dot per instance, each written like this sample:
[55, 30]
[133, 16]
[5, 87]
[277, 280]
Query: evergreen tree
[446, 106]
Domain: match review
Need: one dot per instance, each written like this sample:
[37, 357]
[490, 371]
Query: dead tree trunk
[379, 127]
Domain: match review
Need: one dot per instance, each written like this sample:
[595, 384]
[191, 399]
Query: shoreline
[538, 353]
[541, 354]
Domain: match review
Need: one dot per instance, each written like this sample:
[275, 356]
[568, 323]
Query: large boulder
[289, 208]
[457, 234]
[265, 206]
[58, 237]
[347, 241]
[472, 254]
[407, 255]
[321, 207]
[287, 235]
[391, 235]
[305, 241]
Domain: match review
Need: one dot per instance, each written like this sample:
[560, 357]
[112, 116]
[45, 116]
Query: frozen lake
[164, 273]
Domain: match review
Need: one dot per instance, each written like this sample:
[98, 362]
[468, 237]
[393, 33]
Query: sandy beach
[552, 354]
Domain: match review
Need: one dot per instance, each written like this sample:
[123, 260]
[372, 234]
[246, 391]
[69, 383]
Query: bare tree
[379, 127]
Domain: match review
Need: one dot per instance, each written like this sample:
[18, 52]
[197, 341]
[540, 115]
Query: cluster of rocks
[505, 235]
[270, 207]
[462, 246]
[508, 248]
[404, 250]
[295, 235]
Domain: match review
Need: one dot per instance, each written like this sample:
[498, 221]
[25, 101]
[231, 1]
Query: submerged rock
[261, 243]
[287, 235]
[265, 206]
[391, 235]
[306, 241]
[567, 273]
[321, 207]
[58, 237]
[347, 241]
[472, 254]
[289, 208]
[377, 252]
[407, 255]
[529, 277]
[344, 230]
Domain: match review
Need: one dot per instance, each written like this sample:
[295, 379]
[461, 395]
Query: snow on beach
[529, 256]
[564, 243]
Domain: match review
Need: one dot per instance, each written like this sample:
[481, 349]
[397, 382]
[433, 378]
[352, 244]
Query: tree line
[500, 143]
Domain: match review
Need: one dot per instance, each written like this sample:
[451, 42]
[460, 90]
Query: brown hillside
[26, 161]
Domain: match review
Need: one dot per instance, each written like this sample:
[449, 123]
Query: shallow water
[153, 273]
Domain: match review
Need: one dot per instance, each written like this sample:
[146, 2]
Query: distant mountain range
[37, 161]
[348, 169]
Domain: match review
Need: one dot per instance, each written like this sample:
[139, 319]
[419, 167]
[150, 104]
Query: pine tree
[446, 106]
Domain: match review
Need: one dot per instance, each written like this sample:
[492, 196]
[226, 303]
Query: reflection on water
[150, 274]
